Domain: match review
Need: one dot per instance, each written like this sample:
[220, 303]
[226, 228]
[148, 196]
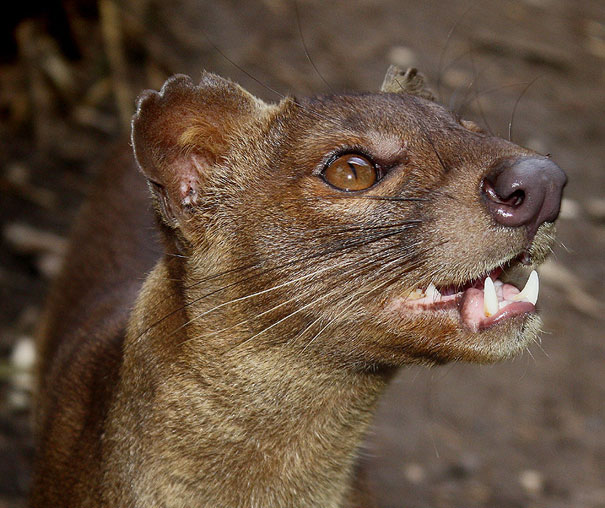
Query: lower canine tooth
[490, 300]
[530, 292]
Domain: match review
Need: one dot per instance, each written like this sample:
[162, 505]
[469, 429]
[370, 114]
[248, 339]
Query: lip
[472, 299]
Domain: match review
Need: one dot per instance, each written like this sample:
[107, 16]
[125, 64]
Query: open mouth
[481, 303]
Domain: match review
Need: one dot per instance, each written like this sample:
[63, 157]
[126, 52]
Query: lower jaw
[447, 340]
[504, 339]
[439, 336]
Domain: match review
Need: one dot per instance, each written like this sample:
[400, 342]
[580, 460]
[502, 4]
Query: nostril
[516, 199]
[513, 200]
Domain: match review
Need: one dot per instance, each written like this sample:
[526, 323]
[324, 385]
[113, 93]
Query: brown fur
[252, 361]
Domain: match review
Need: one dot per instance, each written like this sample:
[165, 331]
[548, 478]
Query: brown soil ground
[525, 433]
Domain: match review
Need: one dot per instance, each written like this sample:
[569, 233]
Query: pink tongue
[472, 311]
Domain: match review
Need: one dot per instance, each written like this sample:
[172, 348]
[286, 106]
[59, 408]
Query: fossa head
[359, 226]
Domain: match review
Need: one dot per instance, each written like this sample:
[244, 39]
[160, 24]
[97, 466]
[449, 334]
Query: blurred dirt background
[526, 433]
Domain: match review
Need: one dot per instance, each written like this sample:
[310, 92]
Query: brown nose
[524, 192]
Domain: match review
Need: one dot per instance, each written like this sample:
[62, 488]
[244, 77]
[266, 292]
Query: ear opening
[176, 200]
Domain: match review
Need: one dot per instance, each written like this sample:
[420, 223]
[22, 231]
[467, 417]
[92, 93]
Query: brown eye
[351, 173]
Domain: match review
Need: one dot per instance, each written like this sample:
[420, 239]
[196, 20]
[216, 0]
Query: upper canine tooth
[432, 292]
[531, 289]
[490, 299]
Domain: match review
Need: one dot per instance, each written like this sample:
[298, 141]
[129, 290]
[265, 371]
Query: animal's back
[113, 247]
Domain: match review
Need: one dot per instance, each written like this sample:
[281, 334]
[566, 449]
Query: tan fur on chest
[297, 238]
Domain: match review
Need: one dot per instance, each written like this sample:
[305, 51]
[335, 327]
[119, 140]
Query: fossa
[311, 248]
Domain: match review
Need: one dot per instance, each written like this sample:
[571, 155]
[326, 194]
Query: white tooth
[432, 292]
[415, 294]
[490, 300]
[530, 291]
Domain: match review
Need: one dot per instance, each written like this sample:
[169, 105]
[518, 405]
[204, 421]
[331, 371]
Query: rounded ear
[181, 132]
[410, 81]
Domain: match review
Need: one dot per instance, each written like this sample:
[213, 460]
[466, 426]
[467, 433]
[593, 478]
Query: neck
[265, 423]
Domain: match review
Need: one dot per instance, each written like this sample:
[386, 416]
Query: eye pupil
[351, 173]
